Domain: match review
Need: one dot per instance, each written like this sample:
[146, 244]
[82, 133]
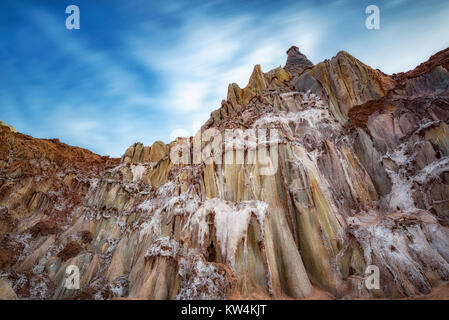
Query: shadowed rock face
[296, 61]
[362, 179]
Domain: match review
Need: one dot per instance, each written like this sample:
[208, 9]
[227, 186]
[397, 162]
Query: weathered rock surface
[296, 61]
[362, 178]
[6, 292]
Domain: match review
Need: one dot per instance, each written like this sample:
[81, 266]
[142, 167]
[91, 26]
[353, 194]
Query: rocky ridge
[362, 179]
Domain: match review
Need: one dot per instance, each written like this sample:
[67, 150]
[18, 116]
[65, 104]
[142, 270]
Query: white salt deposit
[205, 282]
[138, 171]
[433, 170]
[231, 223]
[401, 195]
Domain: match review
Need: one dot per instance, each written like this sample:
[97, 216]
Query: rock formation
[361, 178]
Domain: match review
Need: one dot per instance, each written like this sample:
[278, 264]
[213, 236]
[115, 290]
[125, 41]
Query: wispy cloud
[211, 53]
[99, 94]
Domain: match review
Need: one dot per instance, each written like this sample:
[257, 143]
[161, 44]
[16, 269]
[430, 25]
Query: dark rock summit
[296, 61]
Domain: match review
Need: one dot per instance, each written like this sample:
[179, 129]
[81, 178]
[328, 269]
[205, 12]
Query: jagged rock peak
[140, 153]
[296, 61]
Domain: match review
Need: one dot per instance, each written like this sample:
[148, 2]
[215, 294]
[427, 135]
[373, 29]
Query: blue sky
[148, 70]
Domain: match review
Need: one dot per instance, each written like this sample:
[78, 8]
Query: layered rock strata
[361, 178]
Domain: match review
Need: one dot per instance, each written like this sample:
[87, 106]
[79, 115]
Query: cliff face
[354, 172]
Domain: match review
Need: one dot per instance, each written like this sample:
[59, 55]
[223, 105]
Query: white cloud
[186, 95]
[211, 53]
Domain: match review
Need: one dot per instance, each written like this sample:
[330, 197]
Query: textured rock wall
[362, 178]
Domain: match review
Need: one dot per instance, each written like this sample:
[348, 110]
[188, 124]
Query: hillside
[293, 187]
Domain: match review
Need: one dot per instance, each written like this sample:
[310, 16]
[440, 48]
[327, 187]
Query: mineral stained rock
[361, 179]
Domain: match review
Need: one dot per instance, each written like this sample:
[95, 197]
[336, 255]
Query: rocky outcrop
[297, 62]
[344, 82]
[298, 183]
